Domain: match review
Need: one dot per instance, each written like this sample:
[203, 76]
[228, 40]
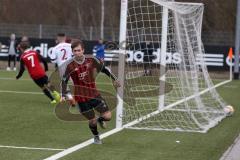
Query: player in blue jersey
[99, 49]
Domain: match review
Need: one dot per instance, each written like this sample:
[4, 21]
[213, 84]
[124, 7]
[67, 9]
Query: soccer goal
[165, 83]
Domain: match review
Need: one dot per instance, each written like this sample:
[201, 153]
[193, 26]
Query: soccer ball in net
[229, 110]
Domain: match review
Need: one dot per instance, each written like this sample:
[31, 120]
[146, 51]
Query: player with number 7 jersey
[31, 60]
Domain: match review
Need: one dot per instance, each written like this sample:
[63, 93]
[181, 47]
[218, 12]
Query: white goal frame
[122, 54]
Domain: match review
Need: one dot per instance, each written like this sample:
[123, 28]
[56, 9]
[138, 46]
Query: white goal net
[166, 83]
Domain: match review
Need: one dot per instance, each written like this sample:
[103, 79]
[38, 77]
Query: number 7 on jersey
[32, 60]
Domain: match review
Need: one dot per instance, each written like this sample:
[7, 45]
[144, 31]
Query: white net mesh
[167, 86]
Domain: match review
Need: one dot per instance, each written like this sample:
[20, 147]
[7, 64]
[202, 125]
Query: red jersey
[31, 60]
[83, 76]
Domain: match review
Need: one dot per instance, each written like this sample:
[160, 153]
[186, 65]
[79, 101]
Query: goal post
[122, 51]
[163, 57]
[165, 85]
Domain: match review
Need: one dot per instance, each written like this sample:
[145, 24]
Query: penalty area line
[81, 145]
[31, 148]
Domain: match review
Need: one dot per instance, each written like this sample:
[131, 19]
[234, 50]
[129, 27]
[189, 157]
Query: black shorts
[41, 81]
[98, 104]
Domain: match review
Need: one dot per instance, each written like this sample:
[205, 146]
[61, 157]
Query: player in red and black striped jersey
[82, 70]
[31, 60]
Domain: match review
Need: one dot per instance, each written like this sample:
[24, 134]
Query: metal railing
[50, 31]
[93, 33]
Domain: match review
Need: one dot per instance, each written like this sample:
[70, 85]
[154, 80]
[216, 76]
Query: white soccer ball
[229, 110]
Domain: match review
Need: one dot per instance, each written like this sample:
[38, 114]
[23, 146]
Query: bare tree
[80, 20]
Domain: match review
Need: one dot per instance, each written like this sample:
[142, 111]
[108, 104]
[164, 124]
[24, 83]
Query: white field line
[28, 79]
[81, 145]
[31, 148]
[22, 79]
[20, 92]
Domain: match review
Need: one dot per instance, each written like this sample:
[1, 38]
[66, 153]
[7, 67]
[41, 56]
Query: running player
[82, 70]
[31, 60]
[61, 53]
